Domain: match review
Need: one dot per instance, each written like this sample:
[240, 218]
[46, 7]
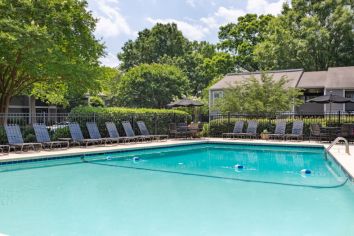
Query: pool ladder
[338, 139]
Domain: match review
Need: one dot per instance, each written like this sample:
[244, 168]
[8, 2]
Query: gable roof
[333, 78]
[292, 76]
[313, 79]
[340, 77]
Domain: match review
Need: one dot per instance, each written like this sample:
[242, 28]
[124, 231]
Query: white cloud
[195, 3]
[221, 17]
[265, 7]
[210, 22]
[229, 14]
[110, 60]
[190, 30]
[192, 3]
[111, 22]
[224, 15]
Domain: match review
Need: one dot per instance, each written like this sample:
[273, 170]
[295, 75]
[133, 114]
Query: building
[29, 105]
[335, 80]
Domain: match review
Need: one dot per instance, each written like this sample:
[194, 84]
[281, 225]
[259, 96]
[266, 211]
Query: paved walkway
[338, 151]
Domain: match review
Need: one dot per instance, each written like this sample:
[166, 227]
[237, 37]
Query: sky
[121, 20]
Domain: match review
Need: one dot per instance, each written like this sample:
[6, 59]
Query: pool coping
[346, 162]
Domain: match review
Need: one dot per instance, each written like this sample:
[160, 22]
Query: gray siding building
[336, 80]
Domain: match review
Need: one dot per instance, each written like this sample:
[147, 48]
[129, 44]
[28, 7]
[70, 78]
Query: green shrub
[60, 133]
[29, 138]
[153, 118]
[96, 101]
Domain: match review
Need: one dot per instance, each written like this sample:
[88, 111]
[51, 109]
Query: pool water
[183, 190]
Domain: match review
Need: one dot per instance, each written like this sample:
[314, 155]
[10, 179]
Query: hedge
[156, 120]
[216, 127]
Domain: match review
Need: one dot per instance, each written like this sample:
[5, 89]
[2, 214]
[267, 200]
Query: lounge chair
[144, 131]
[347, 131]
[297, 131]
[279, 132]
[95, 133]
[316, 133]
[113, 133]
[251, 131]
[77, 137]
[237, 129]
[129, 132]
[43, 137]
[15, 139]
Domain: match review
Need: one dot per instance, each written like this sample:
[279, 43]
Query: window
[312, 93]
[216, 95]
[349, 106]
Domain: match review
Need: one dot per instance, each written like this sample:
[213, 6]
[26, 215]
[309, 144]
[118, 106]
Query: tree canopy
[165, 44]
[313, 35]
[259, 96]
[151, 86]
[240, 39]
[47, 45]
[153, 44]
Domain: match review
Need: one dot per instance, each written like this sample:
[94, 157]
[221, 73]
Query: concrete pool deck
[338, 151]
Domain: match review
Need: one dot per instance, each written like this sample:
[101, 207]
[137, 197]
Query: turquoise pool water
[184, 190]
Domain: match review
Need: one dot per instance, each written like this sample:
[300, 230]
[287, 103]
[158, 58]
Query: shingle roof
[292, 76]
[313, 79]
[335, 77]
[340, 77]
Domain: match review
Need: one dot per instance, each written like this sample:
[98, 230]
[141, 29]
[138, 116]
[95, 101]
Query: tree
[201, 65]
[109, 83]
[152, 44]
[151, 86]
[96, 101]
[259, 96]
[46, 45]
[313, 35]
[240, 39]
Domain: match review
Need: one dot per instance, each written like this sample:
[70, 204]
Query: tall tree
[310, 34]
[151, 85]
[262, 95]
[201, 65]
[152, 44]
[240, 39]
[49, 43]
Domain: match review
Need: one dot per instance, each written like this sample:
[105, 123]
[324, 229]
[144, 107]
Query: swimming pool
[200, 189]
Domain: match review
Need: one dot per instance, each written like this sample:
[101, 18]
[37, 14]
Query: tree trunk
[4, 108]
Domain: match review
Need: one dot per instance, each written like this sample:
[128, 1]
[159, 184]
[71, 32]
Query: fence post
[155, 121]
[132, 119]
[228, 122]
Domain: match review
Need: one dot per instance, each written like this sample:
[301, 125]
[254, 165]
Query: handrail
[336, 141]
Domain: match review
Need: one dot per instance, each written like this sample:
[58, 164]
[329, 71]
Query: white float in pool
[305, 171]
[237, 166]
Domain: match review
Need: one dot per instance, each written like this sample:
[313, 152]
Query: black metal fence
[155, 123]
[333, 118]
[159, 125]
[224, 122]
